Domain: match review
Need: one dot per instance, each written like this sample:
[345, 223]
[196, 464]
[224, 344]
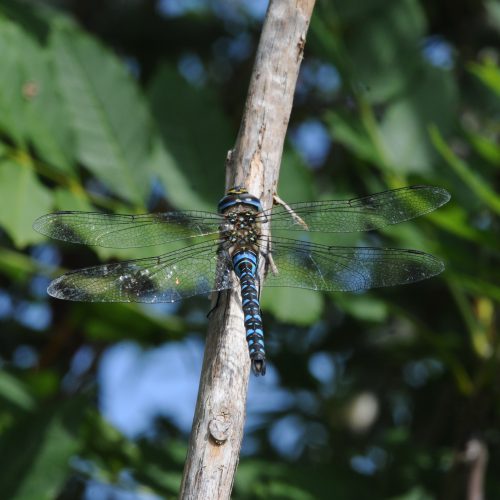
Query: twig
[254, 162]
[476, 458]
[298, 220]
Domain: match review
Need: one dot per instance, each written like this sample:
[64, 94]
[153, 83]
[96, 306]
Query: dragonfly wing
[359, 214]
[126, 231]
[195, 270]
[321, 267]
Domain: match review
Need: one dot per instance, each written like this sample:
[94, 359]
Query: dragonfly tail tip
[259, 365]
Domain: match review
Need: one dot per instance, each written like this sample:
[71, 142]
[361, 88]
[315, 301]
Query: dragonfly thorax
[241, 229]
[241, 220]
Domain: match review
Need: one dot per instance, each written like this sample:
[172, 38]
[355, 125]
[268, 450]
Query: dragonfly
[227, 248]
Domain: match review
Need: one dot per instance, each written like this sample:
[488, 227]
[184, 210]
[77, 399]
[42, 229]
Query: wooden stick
[217, 432]
[476, 457]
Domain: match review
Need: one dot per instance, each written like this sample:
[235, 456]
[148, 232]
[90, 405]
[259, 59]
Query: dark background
[131, 106]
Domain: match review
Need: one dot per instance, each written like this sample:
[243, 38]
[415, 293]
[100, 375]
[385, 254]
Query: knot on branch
[219, 429]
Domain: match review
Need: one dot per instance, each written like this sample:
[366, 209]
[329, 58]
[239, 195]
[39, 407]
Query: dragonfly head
[238, 195]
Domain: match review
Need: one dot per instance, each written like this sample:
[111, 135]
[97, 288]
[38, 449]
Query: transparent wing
[126, 231]
[195, 270]
[360, 214]
[320, 267]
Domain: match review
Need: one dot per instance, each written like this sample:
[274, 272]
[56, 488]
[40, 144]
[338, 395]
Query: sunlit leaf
[45, 116]
[363, 307]
[29, 105]
[66, 199]
[488, 73]
[108, 115]
[293, 305]
[478, 185]
[11, 84]
[22, 199]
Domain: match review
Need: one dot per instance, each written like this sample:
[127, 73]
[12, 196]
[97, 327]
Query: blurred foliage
[132, 106]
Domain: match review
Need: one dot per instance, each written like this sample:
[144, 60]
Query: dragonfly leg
[289, 209]
[269, 263]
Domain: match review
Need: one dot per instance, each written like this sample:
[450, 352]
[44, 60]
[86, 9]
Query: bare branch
[476, 457]
[254, 162]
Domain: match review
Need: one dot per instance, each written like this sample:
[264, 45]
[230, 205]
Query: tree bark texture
[217, 432]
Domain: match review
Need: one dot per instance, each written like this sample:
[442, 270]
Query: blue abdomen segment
[245, 265]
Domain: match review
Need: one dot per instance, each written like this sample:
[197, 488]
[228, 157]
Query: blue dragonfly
[235, 242]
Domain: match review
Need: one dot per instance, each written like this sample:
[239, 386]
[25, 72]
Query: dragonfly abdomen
[245, 265]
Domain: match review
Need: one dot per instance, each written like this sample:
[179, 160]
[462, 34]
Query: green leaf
[383, 42]
[47, 120]
[178, 186]
[417, 493]
[488, 73]
[22, 200]
[405, 124]
[17, 265]
[195, 132]
[478, 185]
[109, 117]
[363, 307]
[11, 84]
[349, 132]
[355, 11]
[13, 390]
[493, 13]
[30, 109]
[456, 220]
[35, 453]
[479, 287]
[35, 18]
[295, 179]
[293, 305]
[276, 490]
[487, 148]
[66, 199]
